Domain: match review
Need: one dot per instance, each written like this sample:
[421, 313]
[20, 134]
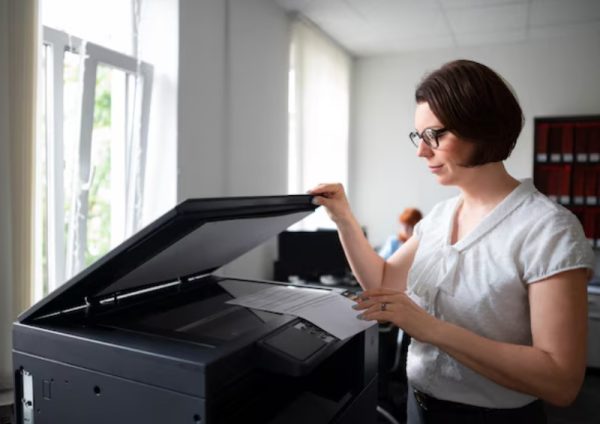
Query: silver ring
[383, 307]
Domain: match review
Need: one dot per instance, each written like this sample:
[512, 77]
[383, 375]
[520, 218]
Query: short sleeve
[554, 244]
[418, 229]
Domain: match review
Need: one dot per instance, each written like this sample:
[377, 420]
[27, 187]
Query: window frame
[61, 265]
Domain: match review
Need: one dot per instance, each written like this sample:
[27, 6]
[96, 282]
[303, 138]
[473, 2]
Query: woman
[492, 286]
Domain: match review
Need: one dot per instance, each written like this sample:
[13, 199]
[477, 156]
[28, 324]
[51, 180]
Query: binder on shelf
[597, 230]
[593, 138]
[555, 143]
[579, 213]
[555, 182]
[598, 185]
[580, 142]
[579, 186]
[541, 143]
[553, 185]
[541, 178]
[564, 185]
[567, 143]
[566, 167]
[591, 194]
[589, 226]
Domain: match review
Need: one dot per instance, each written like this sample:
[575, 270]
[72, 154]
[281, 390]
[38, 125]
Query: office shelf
[566, 166]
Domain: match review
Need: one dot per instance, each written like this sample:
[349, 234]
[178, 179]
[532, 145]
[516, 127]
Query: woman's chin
[444, 180]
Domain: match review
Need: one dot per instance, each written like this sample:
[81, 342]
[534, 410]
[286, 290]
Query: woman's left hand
[398, 308]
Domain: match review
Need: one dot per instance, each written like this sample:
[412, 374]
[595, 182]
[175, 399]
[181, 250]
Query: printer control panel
[314, 330]
[296, 347]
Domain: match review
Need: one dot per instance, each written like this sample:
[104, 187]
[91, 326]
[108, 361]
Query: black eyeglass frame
[430, 137]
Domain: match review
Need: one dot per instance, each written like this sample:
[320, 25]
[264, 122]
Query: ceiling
[377, 27]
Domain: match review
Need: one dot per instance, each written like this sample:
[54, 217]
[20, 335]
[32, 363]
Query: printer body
[146, 335]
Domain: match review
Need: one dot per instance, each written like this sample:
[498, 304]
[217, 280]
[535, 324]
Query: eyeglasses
[430, 137]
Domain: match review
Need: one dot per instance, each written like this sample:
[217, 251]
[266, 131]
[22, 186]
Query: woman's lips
[435, 169]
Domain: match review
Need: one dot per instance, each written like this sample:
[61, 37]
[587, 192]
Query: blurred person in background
[407, 219]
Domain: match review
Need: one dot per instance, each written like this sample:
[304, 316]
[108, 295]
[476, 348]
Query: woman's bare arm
[371, 271]
[552, 368]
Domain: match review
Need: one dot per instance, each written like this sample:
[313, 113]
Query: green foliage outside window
[99, 196]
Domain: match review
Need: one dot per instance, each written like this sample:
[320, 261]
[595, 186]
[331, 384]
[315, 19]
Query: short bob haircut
[477, 105]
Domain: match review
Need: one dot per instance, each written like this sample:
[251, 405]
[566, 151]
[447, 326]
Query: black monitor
[310, 254]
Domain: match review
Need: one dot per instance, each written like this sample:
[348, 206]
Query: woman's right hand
[333, 197]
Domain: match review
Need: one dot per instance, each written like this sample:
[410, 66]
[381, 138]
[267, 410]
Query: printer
[146, 334]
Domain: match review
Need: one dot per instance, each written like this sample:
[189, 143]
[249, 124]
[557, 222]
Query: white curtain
[18, 64]
[319, 112]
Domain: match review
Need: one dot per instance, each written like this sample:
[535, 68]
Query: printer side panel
[119, 355]
[363, 408]
[50, 392]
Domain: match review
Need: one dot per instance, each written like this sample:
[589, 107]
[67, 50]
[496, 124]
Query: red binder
[593, 139]
[555, 142]
[564, 185]
[581, 148]
[553, 184]
[541, 142]
[540, 179]
[597, 229]
[589, 226]
[579, 213]
[591, 176]
[579, 186]
[567, 143]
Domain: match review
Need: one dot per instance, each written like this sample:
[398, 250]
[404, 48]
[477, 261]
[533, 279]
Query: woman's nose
[424, 150]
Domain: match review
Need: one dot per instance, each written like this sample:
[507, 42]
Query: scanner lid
[193, 239]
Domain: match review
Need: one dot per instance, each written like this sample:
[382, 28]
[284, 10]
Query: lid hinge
[91, 305]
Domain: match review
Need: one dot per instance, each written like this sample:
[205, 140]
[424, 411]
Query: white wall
[160, 48]
[233, 67]
[201, 99]
[552, 77]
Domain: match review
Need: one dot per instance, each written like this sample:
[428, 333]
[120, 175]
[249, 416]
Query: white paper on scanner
[330, 311]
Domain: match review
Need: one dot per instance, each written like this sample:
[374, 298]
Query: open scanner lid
[195, 238]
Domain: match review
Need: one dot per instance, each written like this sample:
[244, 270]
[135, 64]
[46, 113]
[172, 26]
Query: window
[94, 108]
[318, 114]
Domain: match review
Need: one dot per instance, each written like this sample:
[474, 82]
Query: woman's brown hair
[477, 105]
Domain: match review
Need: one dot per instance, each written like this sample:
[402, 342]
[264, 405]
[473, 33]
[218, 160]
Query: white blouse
[480, 283]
